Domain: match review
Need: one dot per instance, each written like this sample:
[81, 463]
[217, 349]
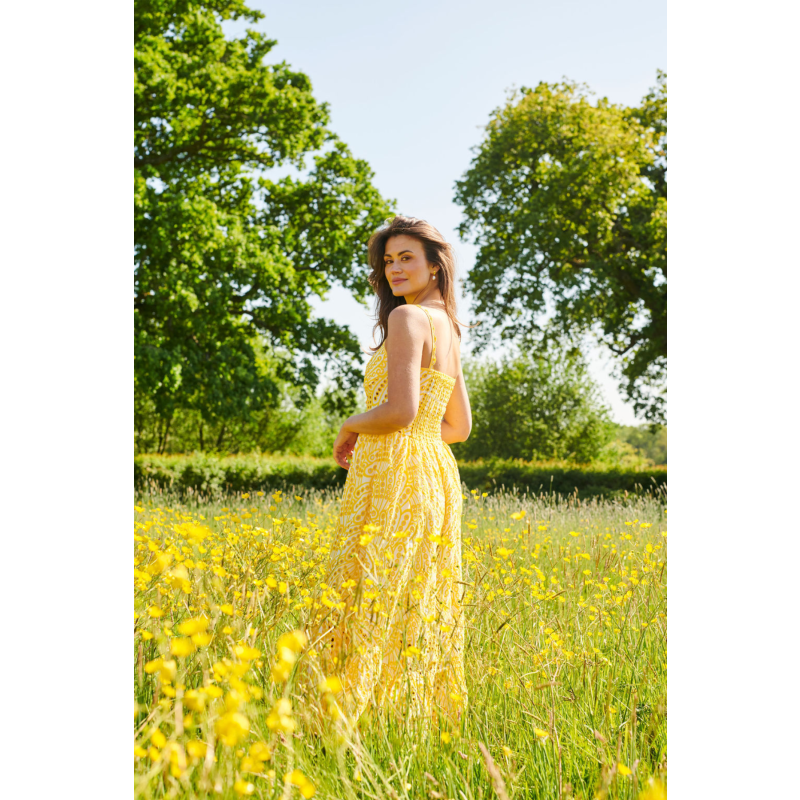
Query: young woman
[390, 625]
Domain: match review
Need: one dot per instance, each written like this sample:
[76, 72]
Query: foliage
[534, 406]
[202, 473]
[648, 440]
[565, 656]
[227, 258]
[289, 424]
[567, 203]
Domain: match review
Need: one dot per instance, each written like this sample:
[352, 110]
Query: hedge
[249, 473]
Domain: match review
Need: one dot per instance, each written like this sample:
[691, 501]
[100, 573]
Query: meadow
[565, 606]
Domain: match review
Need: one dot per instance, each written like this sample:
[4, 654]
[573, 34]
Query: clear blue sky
[411, 84]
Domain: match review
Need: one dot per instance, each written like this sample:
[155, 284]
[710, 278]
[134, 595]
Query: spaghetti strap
[433, 333]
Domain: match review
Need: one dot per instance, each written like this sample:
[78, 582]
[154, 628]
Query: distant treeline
[540, 406]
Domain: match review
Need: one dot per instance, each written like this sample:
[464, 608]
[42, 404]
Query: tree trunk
[221, 436]
[202, 446]
[163, 444]
[159, 433]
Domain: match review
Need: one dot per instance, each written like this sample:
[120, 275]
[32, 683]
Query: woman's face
[406, 267]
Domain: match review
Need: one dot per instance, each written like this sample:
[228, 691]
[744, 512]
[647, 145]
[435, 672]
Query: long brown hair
[437, 252]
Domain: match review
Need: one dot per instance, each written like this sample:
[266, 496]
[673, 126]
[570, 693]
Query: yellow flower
[280, 718]
[445, 737]
[196, 748]
[260, 751]
[242, 787]
[365, 540]
[655, 790]
[540, 733]
[227, 609]
[147, 636]
[518, 515]
[191, 626]
[296, 778]
[201, 639]
[181, 647]
[623, 770]
[155, 611]
[246, 653]
[194, 700]
[166, 669]
[158, 738]
[294, 641]
[231, 728]
[331, 684]
[412, 652]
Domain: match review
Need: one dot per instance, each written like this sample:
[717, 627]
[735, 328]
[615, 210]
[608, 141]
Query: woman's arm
[457, 422]
[406, 331]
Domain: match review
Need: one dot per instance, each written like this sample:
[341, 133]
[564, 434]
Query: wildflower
[540, 733]
[158, 738]
[166, 669]
[655, 790]
[242, 787]
[190, 627]
[246, 653]
[196, 748]
[260, 751]
[518, 515]
[155, 611]
[296, 778]
[231, 728]
[412, 652]
[227, 609]
[194, 700]
[623, 770]
[280, 718]
[331, 684]
[181, 647]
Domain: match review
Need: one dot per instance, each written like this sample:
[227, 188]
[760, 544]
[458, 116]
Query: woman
[390, 625]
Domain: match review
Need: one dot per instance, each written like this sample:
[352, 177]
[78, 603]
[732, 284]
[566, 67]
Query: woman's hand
[343, 447]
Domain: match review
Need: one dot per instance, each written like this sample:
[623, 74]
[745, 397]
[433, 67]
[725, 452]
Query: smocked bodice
[435, 388]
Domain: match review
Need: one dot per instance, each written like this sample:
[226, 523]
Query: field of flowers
[565, 656]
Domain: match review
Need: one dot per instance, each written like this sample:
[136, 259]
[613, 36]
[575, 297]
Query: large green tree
[227, 257]
[567, 202]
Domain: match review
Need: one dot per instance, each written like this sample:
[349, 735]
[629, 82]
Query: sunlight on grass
[565, 654]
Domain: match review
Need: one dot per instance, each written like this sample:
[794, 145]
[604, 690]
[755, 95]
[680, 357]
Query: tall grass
[565, 654]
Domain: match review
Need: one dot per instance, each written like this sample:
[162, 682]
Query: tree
[226, 258]
[534, 407]
[567, 202]
[648, 440]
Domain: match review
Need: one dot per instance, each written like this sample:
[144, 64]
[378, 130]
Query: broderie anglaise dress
[390, 624]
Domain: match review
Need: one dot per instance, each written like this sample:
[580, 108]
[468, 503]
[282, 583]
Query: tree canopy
[226, 255]
[567, 202]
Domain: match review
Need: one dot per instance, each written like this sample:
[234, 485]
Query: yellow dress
[390, 624]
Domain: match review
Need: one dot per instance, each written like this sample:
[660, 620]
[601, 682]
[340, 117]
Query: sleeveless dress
[389, 622]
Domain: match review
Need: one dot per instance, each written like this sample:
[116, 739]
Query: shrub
[207, 474]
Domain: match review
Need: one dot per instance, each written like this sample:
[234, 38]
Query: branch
[634, 340]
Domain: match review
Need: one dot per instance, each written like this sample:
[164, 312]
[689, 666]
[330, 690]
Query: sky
[411, 85]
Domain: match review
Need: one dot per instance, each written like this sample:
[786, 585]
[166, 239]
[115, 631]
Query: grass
[565, 659]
